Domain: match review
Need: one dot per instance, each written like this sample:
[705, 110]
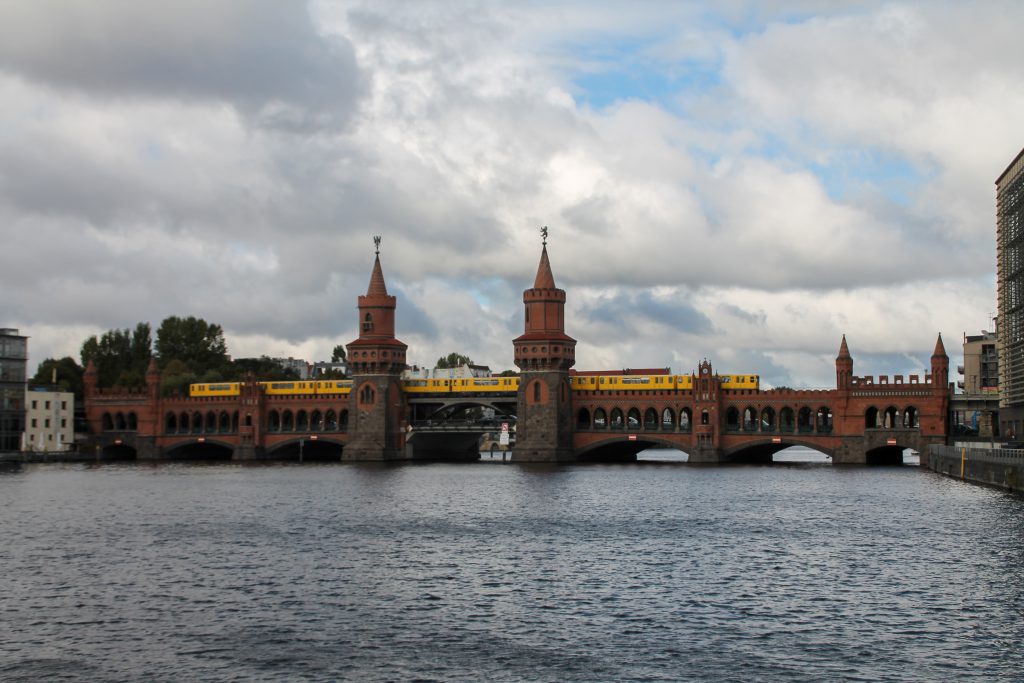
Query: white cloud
[797, 170]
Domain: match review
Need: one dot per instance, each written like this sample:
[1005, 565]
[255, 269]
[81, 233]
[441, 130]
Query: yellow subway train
[480, 385]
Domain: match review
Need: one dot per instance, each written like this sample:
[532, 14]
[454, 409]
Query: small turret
[940, 367]
[90, 379]
[844, 366]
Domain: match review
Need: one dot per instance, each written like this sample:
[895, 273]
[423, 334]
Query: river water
[500, 572]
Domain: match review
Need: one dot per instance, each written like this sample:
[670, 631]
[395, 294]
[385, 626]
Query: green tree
[453, 360]
[508, 373]
[193, 341]
[175, 378]
[263, 368]
[64, 373]
[120, 356]
[338, 355]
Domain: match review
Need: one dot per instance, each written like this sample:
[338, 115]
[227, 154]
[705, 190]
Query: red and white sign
[201, 439]
[890, 442]
[632, 437]
[776, 439]
[504, 427]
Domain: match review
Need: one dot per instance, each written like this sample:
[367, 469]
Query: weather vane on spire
[544, 235]
[376, 243]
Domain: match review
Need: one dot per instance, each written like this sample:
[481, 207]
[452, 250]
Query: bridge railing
[994, 455]
[487, 424]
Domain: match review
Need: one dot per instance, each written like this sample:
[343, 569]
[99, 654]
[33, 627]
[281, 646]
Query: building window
[34, 422]
[47, 423]
[34, 404]
[63, 405]
[63, 423]
[47, 405]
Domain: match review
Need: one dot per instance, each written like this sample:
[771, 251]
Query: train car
[333, 387]
[683, 382]
[426, 386]
[739, 381]
[204, 389]
[294, 388]
[485, 385]
[583, 382]
[636, 382]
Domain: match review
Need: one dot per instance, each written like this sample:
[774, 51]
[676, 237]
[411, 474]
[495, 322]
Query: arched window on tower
[536, 392]
[368, 322]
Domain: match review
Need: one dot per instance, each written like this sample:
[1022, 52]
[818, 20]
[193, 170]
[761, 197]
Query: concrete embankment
[1000, 467]
[56, 456]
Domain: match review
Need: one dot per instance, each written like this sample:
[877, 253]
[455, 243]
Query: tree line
[187, 350]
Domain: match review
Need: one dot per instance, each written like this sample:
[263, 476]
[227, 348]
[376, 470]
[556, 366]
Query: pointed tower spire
[844, 350]
[377, 285]
[844, 367]
[940, 367]
[544, 279]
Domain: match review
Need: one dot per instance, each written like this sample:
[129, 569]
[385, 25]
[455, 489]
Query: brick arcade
[863, 420]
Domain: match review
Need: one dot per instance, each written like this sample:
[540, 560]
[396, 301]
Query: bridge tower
[376, 360]
[706, 415]
[544, 354]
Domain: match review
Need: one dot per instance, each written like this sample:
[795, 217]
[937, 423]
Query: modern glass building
[13, 362]
[1010, 295]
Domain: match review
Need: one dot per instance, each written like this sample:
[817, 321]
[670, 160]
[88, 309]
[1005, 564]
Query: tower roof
[844, 350]
[940, 349]
[377, 286]
[544, 279]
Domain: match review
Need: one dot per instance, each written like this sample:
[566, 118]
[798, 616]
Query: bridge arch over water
[207, 449]
[624, 447]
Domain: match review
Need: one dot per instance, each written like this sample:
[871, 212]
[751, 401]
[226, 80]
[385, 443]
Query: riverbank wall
[54, 456]
[1000, 467]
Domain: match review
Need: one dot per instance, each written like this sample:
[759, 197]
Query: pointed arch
[803, 420]
[600, 419]
[891, 418]
[583, 419]
[668, 420]
[910, 418]
[787, 421]
[750, 419]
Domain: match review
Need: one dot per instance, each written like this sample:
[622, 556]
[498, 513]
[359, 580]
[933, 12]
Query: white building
[49, 420]
[465, 371]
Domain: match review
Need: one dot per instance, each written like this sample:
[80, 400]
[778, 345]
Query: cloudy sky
[742, 181]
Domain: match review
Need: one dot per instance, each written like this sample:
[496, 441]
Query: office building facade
[1010, 295]
[13, 364]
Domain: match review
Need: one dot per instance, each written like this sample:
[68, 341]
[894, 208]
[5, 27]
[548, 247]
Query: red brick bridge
[863, 420]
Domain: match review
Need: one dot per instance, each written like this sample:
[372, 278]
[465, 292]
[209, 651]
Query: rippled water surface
[502, 572]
